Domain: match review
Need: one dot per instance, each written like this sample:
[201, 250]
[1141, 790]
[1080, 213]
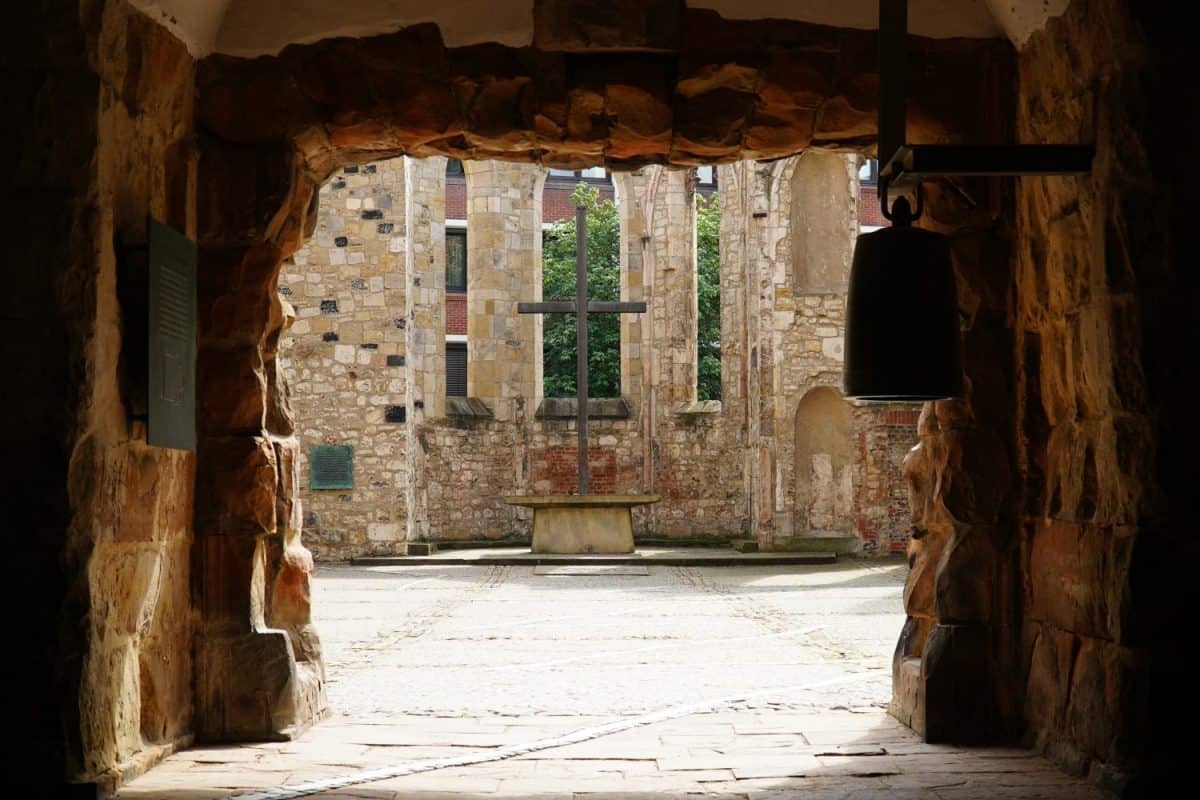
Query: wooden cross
[581, 307]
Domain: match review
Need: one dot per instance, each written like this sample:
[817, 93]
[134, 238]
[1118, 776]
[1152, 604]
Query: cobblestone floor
[774, 680]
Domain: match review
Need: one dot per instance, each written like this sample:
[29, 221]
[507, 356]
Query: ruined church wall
[724, 470]
[691, 456]
[779, 224]
[343, 357]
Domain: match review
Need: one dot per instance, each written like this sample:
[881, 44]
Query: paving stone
[436, 662]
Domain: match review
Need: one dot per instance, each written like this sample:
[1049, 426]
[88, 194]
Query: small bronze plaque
[331, 466]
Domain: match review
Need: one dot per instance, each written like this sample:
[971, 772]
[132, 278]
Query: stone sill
[699, 407]
[470, 407]
[568, 408]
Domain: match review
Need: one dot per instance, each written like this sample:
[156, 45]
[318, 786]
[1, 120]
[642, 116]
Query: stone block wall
[344, 357]
[102, 522]
[1048, 567]
[1103, 568]
[724, 469]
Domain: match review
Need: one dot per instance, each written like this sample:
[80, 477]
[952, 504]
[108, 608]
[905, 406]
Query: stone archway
[824, 462]
[1047, 486]
[274, 128]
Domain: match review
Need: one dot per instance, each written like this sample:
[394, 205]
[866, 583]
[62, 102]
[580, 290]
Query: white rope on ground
[671, 645]
[512, 751]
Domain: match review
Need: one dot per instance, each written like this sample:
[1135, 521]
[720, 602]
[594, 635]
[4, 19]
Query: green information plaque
[331, 466]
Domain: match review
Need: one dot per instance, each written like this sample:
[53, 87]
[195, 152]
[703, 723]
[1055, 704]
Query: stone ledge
[598, 408]
[580, 500]
[470, 407]
[699, 407]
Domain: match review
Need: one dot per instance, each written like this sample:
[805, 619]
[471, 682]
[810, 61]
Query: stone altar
[582, 523]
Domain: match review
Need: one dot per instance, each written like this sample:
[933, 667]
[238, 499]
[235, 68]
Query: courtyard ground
[556, 682]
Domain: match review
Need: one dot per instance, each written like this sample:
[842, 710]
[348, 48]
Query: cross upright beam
[581, 307]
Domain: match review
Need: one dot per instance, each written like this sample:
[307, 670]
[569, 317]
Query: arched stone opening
[1021, 481]
[275, 127]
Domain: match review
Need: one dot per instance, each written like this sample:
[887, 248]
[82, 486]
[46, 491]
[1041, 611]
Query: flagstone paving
[767, 682]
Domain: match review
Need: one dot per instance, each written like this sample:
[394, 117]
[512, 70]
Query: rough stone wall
[102, 523]
[1048, 569]
[782, 338]
[343, 357]
[718, 91]
[1102, 574]
[136, 693]
[883, 436]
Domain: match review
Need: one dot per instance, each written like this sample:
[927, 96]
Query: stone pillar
[634, 212]
[259, 673]
[425, 322]
[745, 189]
[673, 305]
[658, 264]
[504, 267]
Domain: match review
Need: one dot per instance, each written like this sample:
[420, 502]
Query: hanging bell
[902, 333]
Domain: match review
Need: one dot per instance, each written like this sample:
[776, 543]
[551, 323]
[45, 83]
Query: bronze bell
[902, 327]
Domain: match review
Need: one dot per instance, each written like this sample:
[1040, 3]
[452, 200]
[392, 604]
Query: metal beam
[893, 84]
[915, 163]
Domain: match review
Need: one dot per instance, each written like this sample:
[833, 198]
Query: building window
[591, 174]
[456, 369]
[706, 176]
[868, 173]
[454, 167]
[456, 261]
[708, 296]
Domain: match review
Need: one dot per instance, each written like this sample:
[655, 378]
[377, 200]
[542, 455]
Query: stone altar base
[582, 523]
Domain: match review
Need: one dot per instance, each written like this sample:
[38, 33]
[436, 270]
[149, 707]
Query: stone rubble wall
[1104, 569]
[722, 470]
[716, 90]
[1048, 569]
[123, 151]
[343, 357]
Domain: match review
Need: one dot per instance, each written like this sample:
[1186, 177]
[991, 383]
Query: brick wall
[555, 469]
[869, 211]
[883, 436]
[456, 197]
[456, 313]
[556, 198]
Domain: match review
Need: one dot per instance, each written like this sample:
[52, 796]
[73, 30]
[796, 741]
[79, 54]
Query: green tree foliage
[604, 283]
[708, 287]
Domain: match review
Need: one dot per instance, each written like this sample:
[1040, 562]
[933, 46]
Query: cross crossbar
[593, 307]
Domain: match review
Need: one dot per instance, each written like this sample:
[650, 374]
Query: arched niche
[824, 463]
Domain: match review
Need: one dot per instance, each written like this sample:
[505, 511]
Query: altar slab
[651, 556]
[575, 524]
